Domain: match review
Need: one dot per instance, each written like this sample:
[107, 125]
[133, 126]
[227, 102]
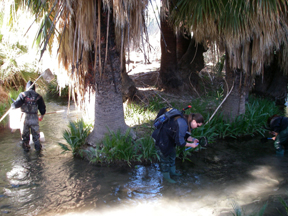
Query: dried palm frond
[235, 24]
[77, 26]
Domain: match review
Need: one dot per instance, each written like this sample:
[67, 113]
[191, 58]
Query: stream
[244, 173]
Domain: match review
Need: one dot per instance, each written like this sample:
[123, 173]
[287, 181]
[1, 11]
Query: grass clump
[251, 123]
[75, 136]
[54, 91]
[238, 211]
[5, 104]
[117, 147]
[121, 148]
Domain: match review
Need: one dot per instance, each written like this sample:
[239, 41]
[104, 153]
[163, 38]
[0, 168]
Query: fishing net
[203, 141]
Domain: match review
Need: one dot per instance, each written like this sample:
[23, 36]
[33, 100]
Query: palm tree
[181, 57]
[249, 32]
[168, 69]
[92, 36]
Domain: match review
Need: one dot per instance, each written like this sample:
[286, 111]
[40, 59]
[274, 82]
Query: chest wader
[167, 163]
[30, 123]
[281, 141]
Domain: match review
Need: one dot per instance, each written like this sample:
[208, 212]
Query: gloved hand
[40, 118]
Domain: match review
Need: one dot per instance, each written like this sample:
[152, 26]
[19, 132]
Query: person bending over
[174, 133]
[278, 127]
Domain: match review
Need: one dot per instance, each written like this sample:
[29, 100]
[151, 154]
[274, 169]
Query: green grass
[4, 107]
[117, 147]
[54, 91]
[238, 211]
[257, 112]
[75, 136]
[147, 150]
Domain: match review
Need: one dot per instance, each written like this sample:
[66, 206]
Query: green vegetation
[284, 204]
[257, 112]
[117, 147]
[53, 90]
[5, 104]
[75, 136]
[238, 211]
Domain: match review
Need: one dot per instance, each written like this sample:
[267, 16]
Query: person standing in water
[174, 133]
[30, 102]
[278, 127]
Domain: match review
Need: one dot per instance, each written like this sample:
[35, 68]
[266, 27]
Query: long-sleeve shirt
[172, 133]
[30, 101]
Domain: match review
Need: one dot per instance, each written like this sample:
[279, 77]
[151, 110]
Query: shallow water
[245, 173]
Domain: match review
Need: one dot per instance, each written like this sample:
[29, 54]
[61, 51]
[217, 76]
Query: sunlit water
[52, 183]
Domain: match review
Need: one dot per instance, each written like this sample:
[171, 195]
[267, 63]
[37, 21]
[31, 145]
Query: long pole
[59, 111]
[26, 90]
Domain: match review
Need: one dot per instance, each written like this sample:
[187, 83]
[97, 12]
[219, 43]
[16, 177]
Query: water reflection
[248, 174]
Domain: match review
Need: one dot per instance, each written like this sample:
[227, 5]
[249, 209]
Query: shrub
[75, 136]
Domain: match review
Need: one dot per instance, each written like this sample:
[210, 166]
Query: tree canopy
[235, 24]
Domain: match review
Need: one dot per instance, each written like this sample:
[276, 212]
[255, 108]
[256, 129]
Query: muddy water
[244, 173]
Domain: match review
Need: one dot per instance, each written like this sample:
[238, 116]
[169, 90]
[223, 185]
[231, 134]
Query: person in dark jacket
[30, 102]
[174, 133]
[278, 126]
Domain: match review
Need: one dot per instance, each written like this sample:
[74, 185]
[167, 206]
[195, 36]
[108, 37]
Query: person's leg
[172, 168]
[281, 142]
[25, 137]
[165, 165]
[36, 137]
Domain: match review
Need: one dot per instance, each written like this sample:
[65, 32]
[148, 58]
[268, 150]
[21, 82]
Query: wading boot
[280, 151]
[38, 146]
[166, 176]
[26, 146]
[174, 172]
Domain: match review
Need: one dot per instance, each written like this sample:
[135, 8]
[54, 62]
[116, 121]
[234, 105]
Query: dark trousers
[168, 161]
[31, 123]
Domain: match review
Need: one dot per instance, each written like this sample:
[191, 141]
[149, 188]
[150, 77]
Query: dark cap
[29, 83]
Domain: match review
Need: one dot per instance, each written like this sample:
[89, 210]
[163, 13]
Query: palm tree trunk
[168, 68]
[191, 63]
[183, 42]
[235, 103]
[273, 83]
[109, 113]
[129, 91]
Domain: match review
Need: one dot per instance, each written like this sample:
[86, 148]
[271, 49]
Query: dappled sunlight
[197, 201]
[133, 117]
[262, 181]
[18, 176]
[152, 208]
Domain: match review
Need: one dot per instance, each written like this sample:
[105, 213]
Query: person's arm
[194, 143]
[41, 108]
[180, 134]
[275, 134]
[19, 101]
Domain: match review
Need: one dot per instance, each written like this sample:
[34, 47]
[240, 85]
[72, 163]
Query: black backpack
[167, 113]
[164, 115]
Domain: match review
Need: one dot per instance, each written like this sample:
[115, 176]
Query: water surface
[246, 173]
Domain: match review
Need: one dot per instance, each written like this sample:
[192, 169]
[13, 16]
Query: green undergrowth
[5, 106]
[75, 136]
[117, 147]
[240, 211]
[121, 148]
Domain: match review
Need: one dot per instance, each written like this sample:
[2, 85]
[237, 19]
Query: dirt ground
[146, 78]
